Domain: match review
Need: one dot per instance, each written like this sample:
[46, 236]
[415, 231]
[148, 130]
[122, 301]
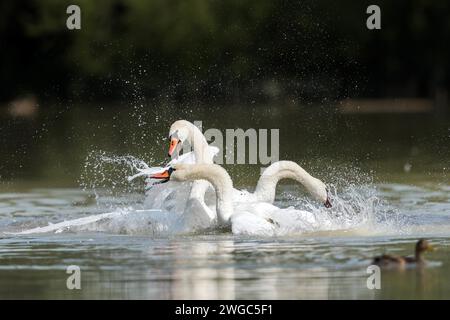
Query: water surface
[391, 179]
[323, 265]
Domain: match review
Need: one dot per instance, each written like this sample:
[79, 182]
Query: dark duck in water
[392, 261]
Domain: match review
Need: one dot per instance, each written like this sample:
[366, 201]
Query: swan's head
[320, 191]
[213, 173]
[163, 176]
[179, 132]
[177, 172]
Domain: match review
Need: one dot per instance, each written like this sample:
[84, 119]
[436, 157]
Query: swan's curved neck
[267, 183]
[198, 144]
[200, 148]
[222, 183]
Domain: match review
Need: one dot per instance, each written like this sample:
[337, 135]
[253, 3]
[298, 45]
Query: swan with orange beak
[266, 186]
[182, 131]
[244, 218]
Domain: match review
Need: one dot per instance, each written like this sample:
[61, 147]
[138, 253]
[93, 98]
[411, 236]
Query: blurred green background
[224, 50]
[136, 66]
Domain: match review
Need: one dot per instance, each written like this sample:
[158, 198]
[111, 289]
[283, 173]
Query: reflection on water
[211, 268]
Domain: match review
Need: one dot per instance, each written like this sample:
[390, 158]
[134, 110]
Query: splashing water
[357, 205]
[356, 209]
[106, 176]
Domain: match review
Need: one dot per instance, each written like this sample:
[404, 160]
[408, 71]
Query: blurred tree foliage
[223, 50]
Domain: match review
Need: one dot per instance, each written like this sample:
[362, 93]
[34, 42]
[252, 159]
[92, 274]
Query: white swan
[184, 131]
[188, 198]
[249, 218]
[188, 158]
[200, 214]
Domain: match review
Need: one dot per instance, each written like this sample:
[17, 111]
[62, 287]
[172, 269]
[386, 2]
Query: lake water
[391, 176]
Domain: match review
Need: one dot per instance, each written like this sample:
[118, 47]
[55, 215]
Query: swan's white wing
[58, 227]
[149, 222]
[252, 219]
[188, 157]
[264, 219]
[65, 225]
[184, 158]
[293, 221]
[197, 215]
[170, 196]
[146, 172]
[249, 224]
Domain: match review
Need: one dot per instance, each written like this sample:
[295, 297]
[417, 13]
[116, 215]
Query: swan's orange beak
[163, 176]
[173, 145]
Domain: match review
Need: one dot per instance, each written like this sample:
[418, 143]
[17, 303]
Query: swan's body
[188, 158]
[189, 198]
[248, 219]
